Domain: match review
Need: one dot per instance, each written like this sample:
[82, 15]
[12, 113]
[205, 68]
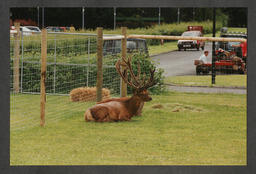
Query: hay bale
[87, 94]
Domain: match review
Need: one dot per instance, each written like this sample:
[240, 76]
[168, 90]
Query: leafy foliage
[145, 65]
[62, 78]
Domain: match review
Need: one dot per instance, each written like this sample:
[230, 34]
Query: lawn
[174, 129]
[220, 80]
[159, 49]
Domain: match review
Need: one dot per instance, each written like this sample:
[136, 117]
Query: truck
[113, 46]
[192, 31]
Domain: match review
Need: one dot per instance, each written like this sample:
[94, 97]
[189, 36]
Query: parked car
[57, 29]
[133, 45]
[29, 30]
[26, 30]
[193, 31]
[12, 31]
[53, 29]
[32, 28]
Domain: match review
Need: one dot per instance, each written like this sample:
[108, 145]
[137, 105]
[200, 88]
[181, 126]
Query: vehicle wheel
[184, 49]
[206, 72]
[178, 49]
[198, 70]
[241, 71]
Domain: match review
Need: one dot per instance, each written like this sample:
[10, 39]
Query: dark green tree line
[131, 17]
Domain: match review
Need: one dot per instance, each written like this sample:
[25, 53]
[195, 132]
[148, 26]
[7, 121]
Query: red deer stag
[122, 109]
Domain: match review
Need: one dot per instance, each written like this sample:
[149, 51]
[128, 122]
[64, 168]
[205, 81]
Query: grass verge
[221, 80]
[159, 49]
[174, 129]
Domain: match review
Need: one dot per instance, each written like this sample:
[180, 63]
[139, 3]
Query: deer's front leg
[123, 116]
[139, 111]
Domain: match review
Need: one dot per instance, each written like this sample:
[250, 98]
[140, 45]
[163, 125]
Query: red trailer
[230, 56]
[226, 62]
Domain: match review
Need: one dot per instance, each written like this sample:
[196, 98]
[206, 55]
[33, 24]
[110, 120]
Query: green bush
[145, 65]
[68, 76]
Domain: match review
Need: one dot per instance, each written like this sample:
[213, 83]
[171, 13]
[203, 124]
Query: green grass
[220, 80]
[174, 129]
[236, 29]
[158, 49]
[75, 56]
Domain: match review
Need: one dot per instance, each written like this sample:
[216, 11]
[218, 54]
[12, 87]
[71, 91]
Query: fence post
[43, 75]
[99, 63]
[55, 61]
[22, 62]
[124, 50]
[88, 63]
[16, 63]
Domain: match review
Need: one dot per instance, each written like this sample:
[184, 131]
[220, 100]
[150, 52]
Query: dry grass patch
[178, 107]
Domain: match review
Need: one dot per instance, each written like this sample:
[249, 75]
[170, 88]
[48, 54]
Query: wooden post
[16, 62]
[99, 63]
[43, 75]
[206, 39]
[124, 51]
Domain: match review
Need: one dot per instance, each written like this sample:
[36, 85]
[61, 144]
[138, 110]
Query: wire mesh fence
[71, 64]
[72, 73]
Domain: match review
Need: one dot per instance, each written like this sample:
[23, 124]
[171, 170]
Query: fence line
[43, 75]
[99, 63]
[124, 50]
[71, 63]
[16, 64]
[209, 39]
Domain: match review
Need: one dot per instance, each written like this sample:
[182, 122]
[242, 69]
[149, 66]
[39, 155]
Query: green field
[174, 129]
[220, 80]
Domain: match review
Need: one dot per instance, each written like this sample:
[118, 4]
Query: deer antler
[151, 81]
[124, 74]
[135, 81]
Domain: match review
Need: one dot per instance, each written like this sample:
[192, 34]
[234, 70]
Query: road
[207, 89]
[177, 63]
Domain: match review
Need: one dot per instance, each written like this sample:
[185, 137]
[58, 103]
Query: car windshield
[189, 34]
[233, 43]
[227, 45]
[114, 46]
[33, 28]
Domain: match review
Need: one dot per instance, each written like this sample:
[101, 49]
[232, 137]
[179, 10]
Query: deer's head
[138, 83]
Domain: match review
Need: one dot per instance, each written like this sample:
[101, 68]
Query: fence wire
[72, 73]
[71, 64]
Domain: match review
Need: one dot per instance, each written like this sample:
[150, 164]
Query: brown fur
[117, 109]
[123, 109]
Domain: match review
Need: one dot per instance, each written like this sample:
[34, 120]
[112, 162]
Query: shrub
[70, 76]
[145, 65]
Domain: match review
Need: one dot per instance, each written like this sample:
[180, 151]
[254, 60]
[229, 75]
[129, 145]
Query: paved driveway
[177, 63]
